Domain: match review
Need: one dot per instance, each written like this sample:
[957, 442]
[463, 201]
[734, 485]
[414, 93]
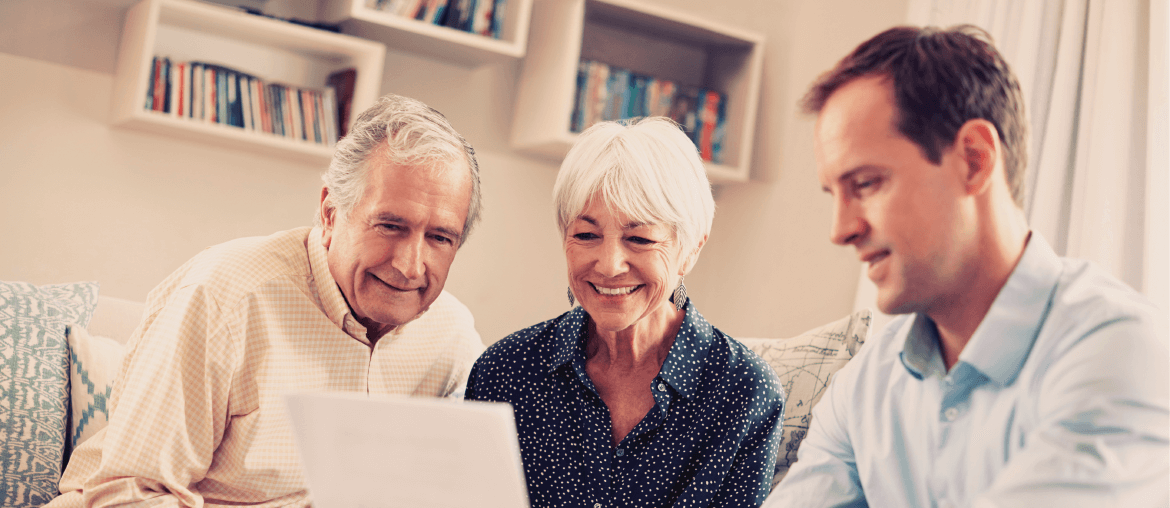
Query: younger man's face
[903, 214]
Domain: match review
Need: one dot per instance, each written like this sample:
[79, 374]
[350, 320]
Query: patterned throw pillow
[805, 364]
[34, 385]
[94, 362]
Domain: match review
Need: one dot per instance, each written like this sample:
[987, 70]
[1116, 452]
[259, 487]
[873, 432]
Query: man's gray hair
[646, 169]
[402, 131]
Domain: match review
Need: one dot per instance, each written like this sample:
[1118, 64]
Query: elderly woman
[633, 399]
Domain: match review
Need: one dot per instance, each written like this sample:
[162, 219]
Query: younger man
[1016, 377]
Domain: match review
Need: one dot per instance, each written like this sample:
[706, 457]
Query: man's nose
[848, 224]
[408, 257]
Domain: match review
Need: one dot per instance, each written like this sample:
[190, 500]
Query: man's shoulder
[1087, 298]
[256, 254]
[238, 266]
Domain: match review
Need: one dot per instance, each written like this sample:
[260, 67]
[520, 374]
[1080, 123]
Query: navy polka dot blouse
[711, 439]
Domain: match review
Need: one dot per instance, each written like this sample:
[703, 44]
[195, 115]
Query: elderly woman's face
[621, 271]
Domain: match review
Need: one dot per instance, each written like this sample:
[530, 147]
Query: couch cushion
[805, 364]
[94, 362]
[34, 384]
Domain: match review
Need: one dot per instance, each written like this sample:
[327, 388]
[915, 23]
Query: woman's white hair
[646, 169]
[402, 131]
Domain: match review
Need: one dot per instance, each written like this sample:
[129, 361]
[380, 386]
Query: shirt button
[951, 413]
[621, 452]
[661, 387]
[596, 505]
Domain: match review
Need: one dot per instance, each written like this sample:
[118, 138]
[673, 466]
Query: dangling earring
[679, 297]
[572, 301]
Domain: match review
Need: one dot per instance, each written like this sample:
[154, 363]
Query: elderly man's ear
[328, 215]
[978, 140]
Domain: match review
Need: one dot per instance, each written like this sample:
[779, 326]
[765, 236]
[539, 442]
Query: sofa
[61, 347]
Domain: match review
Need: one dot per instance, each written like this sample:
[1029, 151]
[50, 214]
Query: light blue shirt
[1061, 398]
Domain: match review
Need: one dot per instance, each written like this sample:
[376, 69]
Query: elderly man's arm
[1102, 437]
[169, 413]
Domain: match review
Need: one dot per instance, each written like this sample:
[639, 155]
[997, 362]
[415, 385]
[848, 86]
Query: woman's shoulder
[743, 367]
[524, 343]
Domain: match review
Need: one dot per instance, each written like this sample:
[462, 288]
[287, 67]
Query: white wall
[80, 200]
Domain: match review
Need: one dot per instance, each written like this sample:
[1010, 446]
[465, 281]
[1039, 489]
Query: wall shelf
[645, 39]
[188, 30]
[414, 36]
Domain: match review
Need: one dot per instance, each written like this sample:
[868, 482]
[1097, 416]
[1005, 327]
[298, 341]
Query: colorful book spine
[613, 93]
[209, 93]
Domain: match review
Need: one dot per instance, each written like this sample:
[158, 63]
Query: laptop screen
[362, 450]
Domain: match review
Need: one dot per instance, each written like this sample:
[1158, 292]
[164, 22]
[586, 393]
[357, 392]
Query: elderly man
[1016, 377]
[355, 304]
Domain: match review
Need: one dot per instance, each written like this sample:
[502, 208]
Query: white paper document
[365, 451]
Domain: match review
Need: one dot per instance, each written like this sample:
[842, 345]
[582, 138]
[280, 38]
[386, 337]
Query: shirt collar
[1001, 343]
[1004, 337]
[686, 355]
[329, 297]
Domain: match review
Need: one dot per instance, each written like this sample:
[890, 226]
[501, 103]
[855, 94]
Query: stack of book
[216, 94]
[483, 17]
[607, 93]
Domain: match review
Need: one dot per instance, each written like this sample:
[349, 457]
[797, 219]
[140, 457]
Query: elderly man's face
[390, 257]
[620, 270]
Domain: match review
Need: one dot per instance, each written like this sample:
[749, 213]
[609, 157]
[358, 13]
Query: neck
[375, 331]
[646, 341]
[1000, 243]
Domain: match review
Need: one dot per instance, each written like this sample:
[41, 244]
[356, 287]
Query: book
[577, 119]
[329, 100]
[343, 82]
[683, 107]
[151, 84]
[596, 93]
[499, 11]
[245, 102]
[709, 109]
[617, 94]
[481, 18]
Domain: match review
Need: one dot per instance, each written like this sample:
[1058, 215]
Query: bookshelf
[413, 36]
[268, 48]
[646, 39]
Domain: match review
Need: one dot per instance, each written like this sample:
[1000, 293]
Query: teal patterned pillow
[34, 390]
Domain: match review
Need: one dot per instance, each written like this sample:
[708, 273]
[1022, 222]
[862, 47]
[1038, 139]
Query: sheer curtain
[1094, 76]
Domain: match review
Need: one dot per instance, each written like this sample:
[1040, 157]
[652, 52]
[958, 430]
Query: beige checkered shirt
[197, 418]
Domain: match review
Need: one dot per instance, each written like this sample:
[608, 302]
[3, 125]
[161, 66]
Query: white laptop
[365, 451]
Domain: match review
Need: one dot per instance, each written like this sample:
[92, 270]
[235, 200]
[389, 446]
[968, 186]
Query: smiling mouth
[621, 291]
[875, 257]
[395, 288]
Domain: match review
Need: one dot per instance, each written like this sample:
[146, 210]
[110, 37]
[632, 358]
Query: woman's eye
[640, 240]
[585, 236]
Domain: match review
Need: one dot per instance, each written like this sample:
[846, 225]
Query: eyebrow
[397, 219]
[630, 225]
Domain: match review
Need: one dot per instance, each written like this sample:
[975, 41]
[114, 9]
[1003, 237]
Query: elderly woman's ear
[691, 258]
